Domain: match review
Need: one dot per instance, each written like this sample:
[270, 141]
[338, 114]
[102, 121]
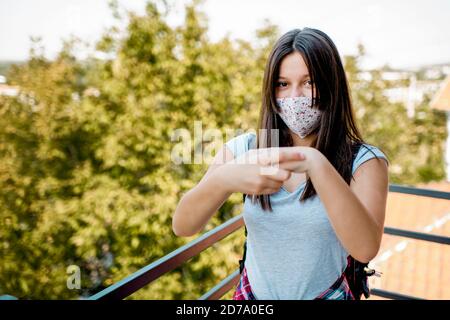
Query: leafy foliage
[86, 172]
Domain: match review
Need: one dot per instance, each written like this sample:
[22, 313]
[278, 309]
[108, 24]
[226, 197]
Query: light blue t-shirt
[292, 252]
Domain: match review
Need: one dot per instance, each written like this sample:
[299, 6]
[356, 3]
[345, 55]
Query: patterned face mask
[298, 115]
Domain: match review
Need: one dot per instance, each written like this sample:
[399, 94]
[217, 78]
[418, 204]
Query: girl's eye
[281, 84]
[308, 82]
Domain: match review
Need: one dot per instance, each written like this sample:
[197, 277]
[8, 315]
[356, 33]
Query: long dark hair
[338, 133]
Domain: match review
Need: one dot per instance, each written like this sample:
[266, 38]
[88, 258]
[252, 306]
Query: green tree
[414, 146]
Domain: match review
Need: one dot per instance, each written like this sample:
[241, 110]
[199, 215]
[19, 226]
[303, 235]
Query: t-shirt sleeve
[365, 153]
[239, 144]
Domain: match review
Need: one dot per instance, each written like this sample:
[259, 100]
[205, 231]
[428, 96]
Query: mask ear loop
[315, 103]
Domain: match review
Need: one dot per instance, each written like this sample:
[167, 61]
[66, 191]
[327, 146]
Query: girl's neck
[305, 142]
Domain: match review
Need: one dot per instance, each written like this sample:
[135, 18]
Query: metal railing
[153, 271]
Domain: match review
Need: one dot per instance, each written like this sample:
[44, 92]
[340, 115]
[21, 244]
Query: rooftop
[415, 267]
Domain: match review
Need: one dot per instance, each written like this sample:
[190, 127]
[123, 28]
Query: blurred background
[91, 92]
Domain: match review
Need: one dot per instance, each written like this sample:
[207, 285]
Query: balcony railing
[153, 271]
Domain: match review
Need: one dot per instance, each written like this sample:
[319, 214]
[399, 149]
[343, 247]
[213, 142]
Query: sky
[401, 33]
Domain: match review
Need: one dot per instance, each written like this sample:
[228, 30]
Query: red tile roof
[441, 100]
[415, 267]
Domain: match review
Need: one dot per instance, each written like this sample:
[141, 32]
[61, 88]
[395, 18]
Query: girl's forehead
[293, 66]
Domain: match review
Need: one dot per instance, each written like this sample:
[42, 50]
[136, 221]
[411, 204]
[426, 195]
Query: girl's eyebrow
[302, 77]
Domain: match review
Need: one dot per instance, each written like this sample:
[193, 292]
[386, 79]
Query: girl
[325, 196]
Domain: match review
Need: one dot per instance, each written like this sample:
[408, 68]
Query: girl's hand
[257, 171]
[310, 159]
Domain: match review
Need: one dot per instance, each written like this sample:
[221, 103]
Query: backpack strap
[357, 272]
[242, 261]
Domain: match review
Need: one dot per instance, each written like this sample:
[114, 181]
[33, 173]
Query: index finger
[277, 156]
[275, 173]
[290, 155]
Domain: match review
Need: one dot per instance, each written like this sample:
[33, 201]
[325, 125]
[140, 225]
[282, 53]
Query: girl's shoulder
[241, 143]
[367, 152]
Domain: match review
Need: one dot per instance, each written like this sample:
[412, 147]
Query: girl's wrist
[316, 162]
[221, 179]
